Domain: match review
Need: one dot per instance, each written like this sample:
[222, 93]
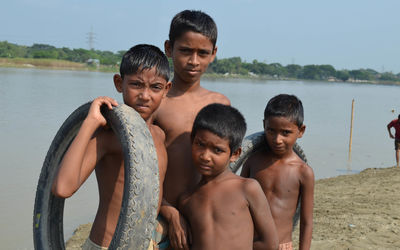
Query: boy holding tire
[284, 177]
[224, 210]
[143, 82]
[192, 47]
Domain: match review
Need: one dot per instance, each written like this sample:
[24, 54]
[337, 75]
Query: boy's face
[211, 154]
[191, 53]
[281, 134]
[142, 91]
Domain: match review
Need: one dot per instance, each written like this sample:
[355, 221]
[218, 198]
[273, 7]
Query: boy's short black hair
[193, 20]
[222, 120]
[144, 56]
[285, 105]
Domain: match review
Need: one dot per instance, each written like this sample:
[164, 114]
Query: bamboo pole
[351, 135]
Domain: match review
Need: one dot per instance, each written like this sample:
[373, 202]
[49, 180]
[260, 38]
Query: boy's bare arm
[178, 228]
[390, 132]
[307, 206]
[82, 155]
[262, 218]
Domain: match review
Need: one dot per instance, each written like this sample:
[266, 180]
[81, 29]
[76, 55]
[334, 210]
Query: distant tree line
[227, 66]
[235, 65]
[10, 50]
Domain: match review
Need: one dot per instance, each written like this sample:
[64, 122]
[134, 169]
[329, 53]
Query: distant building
[95, 62]
[332, 79]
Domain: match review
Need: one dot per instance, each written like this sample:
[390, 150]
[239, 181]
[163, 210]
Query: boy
[143, 82]
[192, 47]
[223, 209]
[283, 176]
[396, 125]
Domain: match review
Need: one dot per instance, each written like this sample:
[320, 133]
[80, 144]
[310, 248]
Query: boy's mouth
[205, 167]
[142, 107]
[192, 71]
[278, 148]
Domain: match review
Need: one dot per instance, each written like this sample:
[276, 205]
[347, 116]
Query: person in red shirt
[396, 125]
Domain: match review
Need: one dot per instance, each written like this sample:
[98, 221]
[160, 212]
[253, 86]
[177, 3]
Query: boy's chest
[281, 181]
[176, 117]
[216, 205]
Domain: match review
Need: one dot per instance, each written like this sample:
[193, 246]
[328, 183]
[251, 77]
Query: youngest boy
[143, 82]
[224, 209]
[283, 176]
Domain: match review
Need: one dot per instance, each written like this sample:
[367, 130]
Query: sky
[347, 34]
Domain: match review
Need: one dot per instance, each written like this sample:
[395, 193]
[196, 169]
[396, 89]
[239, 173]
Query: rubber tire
[137, 218]
[255, 142]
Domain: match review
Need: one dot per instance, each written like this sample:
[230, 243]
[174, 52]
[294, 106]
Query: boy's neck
[281, 157]
[207, 179]
[180, 86]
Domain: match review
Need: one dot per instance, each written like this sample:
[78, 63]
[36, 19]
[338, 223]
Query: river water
[34, 103]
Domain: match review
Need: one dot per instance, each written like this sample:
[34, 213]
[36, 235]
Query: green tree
[311, 72]
[342, 75]
[294, 70]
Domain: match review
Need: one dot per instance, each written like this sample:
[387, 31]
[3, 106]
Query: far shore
[355, 211]
[53, 64]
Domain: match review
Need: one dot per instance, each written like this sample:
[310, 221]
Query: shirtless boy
[224, 209]
[283, 176]
[192, 47]
[396, 125]
[143, 82]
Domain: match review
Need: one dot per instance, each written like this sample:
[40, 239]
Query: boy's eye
[218, 150]
[199, 143]
[204, 53]
[186, 50]
[157, 87]
[135, 84]
[286, 132]
[269, 131]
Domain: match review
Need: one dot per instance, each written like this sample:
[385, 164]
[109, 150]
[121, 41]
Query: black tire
[255, 142]
[141, 185]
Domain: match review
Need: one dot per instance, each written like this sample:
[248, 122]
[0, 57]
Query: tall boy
[223, 209]
[143, 82]
[283, 176]
[192, 47]
[396, 125]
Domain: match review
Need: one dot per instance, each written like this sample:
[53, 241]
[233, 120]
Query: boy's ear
[214, 54]
[235, 155]
[167, 88]
[167, 48]
[302, 129]
[118, 82]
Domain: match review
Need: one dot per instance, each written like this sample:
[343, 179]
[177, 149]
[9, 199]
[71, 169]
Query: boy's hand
[178, 232]
[94, 111]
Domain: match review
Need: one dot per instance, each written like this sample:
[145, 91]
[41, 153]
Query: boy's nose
[145, 94]
[194, 59]
[204, 156]
[278, 139]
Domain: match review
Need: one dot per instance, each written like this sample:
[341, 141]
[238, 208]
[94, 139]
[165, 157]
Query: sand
[357, 211]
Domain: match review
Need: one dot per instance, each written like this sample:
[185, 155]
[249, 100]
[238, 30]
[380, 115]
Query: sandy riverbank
[358, 211]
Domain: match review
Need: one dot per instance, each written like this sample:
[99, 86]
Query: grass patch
[53, 64]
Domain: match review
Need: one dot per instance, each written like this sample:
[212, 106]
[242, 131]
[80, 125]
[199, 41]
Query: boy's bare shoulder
[248, 185]
[157, 133]
[215, 97]
[304, 170]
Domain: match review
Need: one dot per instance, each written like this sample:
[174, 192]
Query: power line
[91, 38]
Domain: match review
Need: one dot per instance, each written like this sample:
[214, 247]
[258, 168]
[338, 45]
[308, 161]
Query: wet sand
[357, 211]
